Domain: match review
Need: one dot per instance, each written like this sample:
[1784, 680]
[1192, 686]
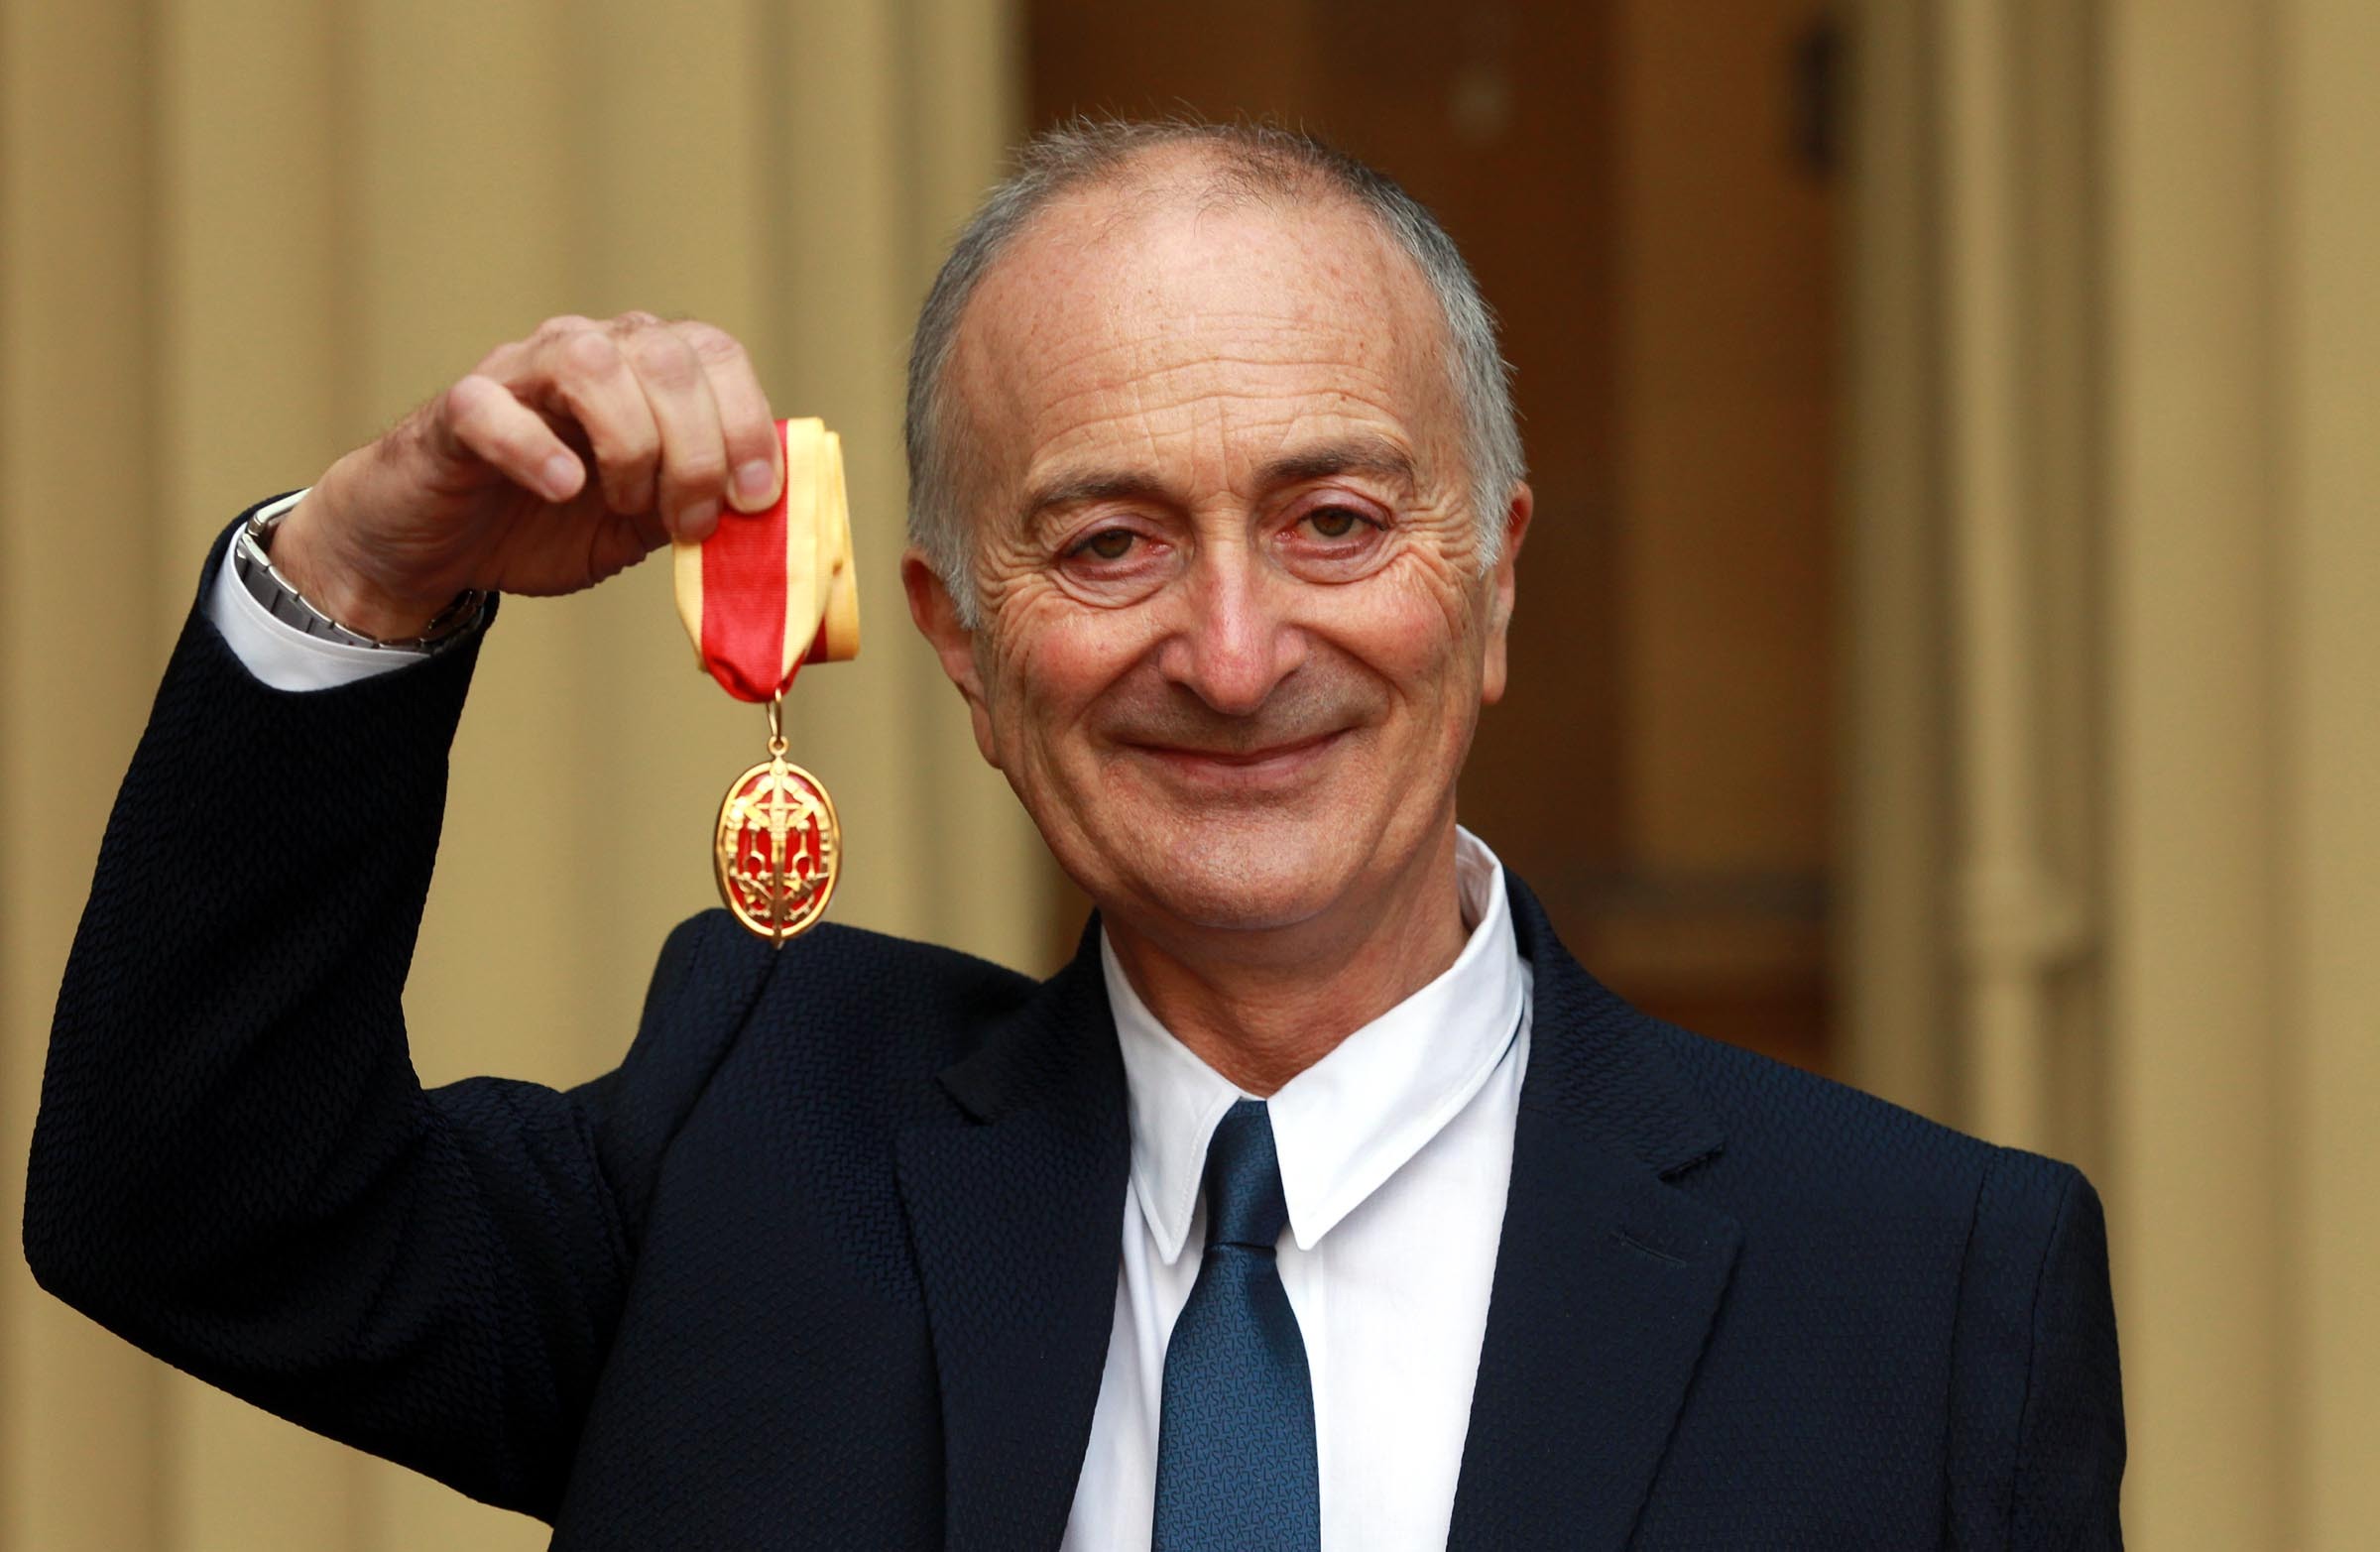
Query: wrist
[303, 553]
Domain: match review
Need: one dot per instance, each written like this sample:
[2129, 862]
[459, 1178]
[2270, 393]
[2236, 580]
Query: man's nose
[1234, 643]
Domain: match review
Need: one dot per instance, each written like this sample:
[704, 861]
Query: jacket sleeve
[2070, 1459]
[235, 1164]
[2036, 1424]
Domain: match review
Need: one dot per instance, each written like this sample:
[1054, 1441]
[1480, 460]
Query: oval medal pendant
[778, 848]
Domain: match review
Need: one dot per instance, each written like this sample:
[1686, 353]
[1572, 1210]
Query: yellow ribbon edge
[821, 580]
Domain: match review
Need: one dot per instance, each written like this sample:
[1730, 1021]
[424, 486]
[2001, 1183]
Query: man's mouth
[1270, 765]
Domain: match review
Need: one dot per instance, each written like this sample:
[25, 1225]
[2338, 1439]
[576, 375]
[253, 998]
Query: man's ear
[938, 616]
[1500, 597]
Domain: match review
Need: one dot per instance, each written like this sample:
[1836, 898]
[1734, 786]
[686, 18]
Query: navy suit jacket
[830, 1259]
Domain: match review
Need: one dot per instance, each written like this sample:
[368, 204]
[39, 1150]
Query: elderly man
[1323, 1201]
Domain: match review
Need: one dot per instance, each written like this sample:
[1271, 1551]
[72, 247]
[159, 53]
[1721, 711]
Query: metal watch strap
[252, 563]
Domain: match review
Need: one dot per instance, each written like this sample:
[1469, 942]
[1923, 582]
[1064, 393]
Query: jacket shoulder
[1757, 1130]
[841, 1025]
[1834, 1143]
[845, 992]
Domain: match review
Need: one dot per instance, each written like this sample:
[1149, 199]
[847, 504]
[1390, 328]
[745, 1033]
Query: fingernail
[697, 522]
[756, 484]
[560, 477]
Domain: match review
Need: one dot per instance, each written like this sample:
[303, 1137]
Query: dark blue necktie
[1236, 1464]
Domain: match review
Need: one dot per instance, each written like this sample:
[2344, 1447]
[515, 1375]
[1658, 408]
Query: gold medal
[778, 846]
[763, 595]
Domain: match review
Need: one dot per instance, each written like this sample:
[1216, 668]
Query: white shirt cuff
[280, 654]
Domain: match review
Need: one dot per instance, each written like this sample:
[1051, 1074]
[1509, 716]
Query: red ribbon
[772, 590]
[744, 622]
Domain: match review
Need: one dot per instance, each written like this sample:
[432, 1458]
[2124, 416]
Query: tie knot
[1244, 1204]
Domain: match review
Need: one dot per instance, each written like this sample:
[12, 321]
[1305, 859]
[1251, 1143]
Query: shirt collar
[1350, 1121]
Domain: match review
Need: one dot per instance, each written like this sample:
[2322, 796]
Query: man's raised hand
[489, 484]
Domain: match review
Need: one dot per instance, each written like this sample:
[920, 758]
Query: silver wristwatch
[252, 563]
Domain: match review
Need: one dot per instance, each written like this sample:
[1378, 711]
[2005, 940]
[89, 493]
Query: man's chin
[1250, 883]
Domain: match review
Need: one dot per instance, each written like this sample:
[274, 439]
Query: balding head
[1143, 165]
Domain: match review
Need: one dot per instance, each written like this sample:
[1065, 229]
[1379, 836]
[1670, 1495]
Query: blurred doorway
[1645, 187]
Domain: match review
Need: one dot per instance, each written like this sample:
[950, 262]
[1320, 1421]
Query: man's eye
[1334, 522]
[1108, 543]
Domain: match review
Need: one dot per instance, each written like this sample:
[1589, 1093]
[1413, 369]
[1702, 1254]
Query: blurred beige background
[2031, 424]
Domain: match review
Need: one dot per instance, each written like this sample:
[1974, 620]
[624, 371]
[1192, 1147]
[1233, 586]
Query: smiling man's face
[1235, 631]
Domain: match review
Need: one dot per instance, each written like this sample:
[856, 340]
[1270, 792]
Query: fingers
[755, 452]
[678, 391]
[482, 416]
[673, 414]
[585, 374]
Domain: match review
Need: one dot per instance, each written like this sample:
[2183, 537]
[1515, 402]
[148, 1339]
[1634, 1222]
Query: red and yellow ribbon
[771, 591]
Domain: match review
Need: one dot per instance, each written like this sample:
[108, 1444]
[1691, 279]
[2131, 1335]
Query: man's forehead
[1136, 279]
[1163, 246]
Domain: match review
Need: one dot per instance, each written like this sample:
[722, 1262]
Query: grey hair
[1255, 160]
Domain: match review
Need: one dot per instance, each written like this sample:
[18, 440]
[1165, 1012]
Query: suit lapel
[1608, 1277]
[1014, 1207]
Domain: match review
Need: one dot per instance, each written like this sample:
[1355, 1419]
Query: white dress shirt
[280, 654]
[1395, 1154]
[1395, 1150]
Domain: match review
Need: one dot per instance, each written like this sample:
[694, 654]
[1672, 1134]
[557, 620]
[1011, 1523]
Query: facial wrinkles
[1208, 443]
[1148, 710]
[1345, 671]
[1125, 380]
[1159, 387]
[1427, 573]
[1082, 292]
